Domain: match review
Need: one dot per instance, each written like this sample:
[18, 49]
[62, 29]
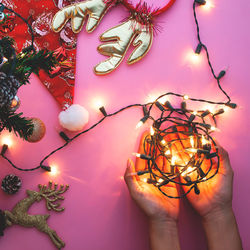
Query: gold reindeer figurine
[19, 214]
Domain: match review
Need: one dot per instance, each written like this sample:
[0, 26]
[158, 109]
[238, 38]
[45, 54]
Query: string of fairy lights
[179, 136]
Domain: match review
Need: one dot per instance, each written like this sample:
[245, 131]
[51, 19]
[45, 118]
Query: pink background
[99, 211]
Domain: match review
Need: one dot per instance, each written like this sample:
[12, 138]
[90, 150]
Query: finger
[225, 165]
[130, 177]
[141, 164]
[180, 147]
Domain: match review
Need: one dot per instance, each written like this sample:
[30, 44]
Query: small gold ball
[38, 131]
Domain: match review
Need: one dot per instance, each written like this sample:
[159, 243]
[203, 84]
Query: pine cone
[8, 89]
[11, 184]
[2, 222]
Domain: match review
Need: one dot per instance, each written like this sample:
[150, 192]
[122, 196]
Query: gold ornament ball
[38, 131]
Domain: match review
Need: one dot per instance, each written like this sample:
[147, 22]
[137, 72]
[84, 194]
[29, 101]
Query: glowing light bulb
[213, 128]
[168, 152]
[173, 160]
[192, 150]
[225, 108]
[151, 98]
[210, 109]
[54, 170]
[192, 141]
[152, 131]
[208, 6]
[160, 180]
[7, 140]
[204, 141]
[98, 103]
[139, 124]
[192, 57]
[137, 155]
[163, 99]
[163, 142]
[145, 180]
[185, 97]
[188, 171]
[195, 113]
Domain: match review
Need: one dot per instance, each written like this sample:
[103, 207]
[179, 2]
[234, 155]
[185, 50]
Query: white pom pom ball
[74, 118]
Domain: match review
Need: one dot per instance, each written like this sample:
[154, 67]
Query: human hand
[214, 204]
[154, 204]
[215, 196]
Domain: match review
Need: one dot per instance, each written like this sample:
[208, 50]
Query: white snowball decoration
[74, 118]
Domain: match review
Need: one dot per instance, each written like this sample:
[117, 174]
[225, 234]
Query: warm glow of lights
[173, 160]
[152, 131]
[151, 98]
[7, 140]
[195, 113]
[163, 142]
[208, 6]
[168, 152]
[160, 180]
[225, 108]
[192, 57]
[163, 99]
[204, 141]
[137, 155]
[213, 128]
[139, 124]
[191, 150]
[54, 170]
[210, 109]
[185, 97]
[98, 102]
[192, 141]
[188, 171]
[145, 180]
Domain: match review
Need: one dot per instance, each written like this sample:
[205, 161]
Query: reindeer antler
[52, 195]
[119, 39]
[95, 9]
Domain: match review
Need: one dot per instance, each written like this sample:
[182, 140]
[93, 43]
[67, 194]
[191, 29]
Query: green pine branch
[21, 66]
[6, 46]
[11, 121]
[26, 62]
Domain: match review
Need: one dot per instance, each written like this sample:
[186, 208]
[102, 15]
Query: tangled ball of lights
[179, 148]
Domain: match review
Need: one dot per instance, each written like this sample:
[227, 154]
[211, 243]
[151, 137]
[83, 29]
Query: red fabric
[39, 13]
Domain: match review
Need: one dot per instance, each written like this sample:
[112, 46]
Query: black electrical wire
[177, 116]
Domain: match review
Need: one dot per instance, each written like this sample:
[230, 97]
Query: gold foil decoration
[19, 214]
[118, 40]
[95, 9]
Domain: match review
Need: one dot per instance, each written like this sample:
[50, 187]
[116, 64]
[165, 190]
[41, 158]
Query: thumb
[130, 177]
[224, 159]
